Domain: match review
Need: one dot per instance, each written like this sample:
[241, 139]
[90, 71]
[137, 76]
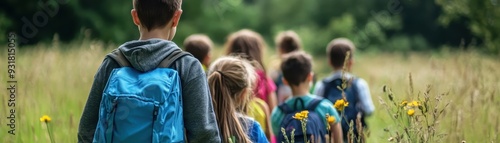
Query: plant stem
[303, 122]
[50, 133]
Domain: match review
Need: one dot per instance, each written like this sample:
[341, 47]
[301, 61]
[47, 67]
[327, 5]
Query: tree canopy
[390, 25]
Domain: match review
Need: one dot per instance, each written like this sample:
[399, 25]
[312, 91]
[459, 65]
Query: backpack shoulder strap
[324, 82]
[338, 82]
[117, 55]
[285, 108]
[313, 104]
[328, 86]
[176, 54]
[354, 88]
[325, 87]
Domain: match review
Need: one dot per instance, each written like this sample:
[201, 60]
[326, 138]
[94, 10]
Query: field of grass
[56, 82]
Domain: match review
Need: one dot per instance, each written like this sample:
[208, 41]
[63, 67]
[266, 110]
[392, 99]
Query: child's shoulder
[359, 79]
[247, 120]
[258, 101]
[324, 104]
[360, 83]
[338, 75]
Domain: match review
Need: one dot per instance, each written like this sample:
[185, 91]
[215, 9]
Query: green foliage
[107, 20]
[393, 25]
[483, 15]
[4, 24]
[406, 43]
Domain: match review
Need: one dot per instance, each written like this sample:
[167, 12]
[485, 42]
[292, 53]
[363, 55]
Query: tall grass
[55, 79]
[51, 82]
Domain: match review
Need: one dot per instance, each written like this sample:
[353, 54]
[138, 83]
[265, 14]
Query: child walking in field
[200, 46]
[286, 42]
[322, 120]
[231, 81]
[357, 91]
[155, 69]
[250, 45]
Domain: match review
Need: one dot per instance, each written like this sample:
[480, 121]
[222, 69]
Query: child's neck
[348, 69]
[155, 33]
[301, 90]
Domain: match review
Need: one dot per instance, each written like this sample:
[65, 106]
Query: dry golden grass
[56, 82]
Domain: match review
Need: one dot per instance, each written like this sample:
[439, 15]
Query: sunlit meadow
[54, 79]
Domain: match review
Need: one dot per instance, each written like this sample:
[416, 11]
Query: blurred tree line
[387, 25]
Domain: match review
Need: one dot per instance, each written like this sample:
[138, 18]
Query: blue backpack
[314, 127]
[141, 107]
[333, 94]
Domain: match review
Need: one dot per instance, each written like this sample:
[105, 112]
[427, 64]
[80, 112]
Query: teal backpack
[141, 107]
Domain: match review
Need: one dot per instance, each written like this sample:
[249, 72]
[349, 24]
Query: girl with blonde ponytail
[231, 81]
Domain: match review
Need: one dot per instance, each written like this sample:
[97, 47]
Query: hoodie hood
[146, 55]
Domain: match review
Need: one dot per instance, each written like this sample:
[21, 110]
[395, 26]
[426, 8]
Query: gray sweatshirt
[145, 55]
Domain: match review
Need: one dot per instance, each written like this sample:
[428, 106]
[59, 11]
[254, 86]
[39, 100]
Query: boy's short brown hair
[288, 41]
[199, 45]
[296, 66]
[156, 13]
[337, 51]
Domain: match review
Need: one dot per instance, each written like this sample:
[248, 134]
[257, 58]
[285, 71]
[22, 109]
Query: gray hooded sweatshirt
[145, 55]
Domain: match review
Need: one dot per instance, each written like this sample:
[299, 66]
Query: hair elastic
[220, 72]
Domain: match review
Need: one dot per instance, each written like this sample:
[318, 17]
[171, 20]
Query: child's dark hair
[296, 66]
[248, 43]
[337, 51]
[156, 13]
[288, 41]
[231, 81]
[199, 45]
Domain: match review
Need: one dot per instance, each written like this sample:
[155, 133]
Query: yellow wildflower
[301, 115]
[341, 104]
[413, 104]
[404, 103]
[411, 112]
[330, 119]
[304, 113]
[45, 119]
[298, 116]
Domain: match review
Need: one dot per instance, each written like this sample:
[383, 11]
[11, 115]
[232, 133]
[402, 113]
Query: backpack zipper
[115, 105]
[155, 115]
[155, 112]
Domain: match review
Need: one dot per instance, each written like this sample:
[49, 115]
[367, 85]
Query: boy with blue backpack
[148, 90]
[357, 92]
[297, 73]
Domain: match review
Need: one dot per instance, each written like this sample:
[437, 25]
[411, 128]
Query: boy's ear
[349, 64]
[206, 60]
[284, 81]
[135, 18]
[176, 18]
[310, 77]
